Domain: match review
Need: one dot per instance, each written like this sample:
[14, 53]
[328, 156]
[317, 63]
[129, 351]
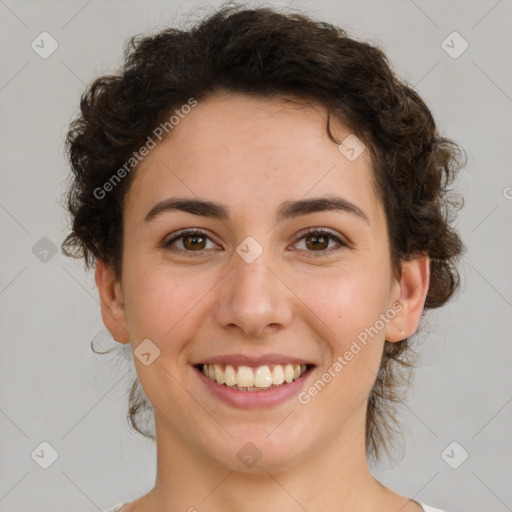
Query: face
[262, 283]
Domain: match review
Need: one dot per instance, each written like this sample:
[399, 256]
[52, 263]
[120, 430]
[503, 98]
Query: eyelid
[324, 231]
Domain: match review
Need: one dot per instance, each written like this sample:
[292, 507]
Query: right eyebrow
[194, 206]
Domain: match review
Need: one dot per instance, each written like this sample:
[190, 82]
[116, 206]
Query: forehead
[252, 153]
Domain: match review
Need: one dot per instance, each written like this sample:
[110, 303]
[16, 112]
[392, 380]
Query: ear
[112, 302]
[409, 298]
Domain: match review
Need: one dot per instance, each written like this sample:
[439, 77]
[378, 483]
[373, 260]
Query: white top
[426, 508]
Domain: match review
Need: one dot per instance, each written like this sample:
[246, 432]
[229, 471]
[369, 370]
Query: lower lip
[254, 399]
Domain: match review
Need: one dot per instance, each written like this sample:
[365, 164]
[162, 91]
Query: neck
[334, 476]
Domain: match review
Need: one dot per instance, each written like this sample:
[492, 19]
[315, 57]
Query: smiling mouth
[246, 378]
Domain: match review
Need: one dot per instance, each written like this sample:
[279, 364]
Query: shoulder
[428, 508]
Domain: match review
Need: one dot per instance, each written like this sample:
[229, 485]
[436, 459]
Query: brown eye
[320, 242]
[317, 241]
[194, 241]
[189, 241]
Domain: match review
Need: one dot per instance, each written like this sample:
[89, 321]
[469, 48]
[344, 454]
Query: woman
[266, 207]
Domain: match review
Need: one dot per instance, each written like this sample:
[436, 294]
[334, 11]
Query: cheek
[349, 310]
[348, 302]
[160, 303]
[162, 307]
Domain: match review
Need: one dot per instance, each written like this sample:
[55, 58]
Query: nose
[253, 298]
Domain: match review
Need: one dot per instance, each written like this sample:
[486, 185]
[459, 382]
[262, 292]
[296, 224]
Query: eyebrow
[286, 210]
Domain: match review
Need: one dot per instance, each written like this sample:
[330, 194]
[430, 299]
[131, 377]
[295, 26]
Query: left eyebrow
[290, 209]
[286, 210]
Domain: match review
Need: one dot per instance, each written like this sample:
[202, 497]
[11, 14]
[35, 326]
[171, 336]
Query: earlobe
[112, 302]
[412, 289]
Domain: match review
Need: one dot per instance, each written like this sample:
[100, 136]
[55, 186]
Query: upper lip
[241, 359]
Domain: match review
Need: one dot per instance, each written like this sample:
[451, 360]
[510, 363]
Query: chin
[257, 453]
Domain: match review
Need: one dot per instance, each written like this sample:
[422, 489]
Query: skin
[251, 154]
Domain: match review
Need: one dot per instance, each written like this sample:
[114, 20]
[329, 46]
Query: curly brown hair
[270, 53]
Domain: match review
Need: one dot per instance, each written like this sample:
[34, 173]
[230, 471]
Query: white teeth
[263, 377]
[277, 375]
[244, 377]
[219, 374]
[289, 372]
[247, 377]
[230, 375]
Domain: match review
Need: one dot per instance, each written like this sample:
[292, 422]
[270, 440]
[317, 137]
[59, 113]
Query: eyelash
[309, 232]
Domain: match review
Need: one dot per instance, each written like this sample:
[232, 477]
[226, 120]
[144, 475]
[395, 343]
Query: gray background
[54, 389]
